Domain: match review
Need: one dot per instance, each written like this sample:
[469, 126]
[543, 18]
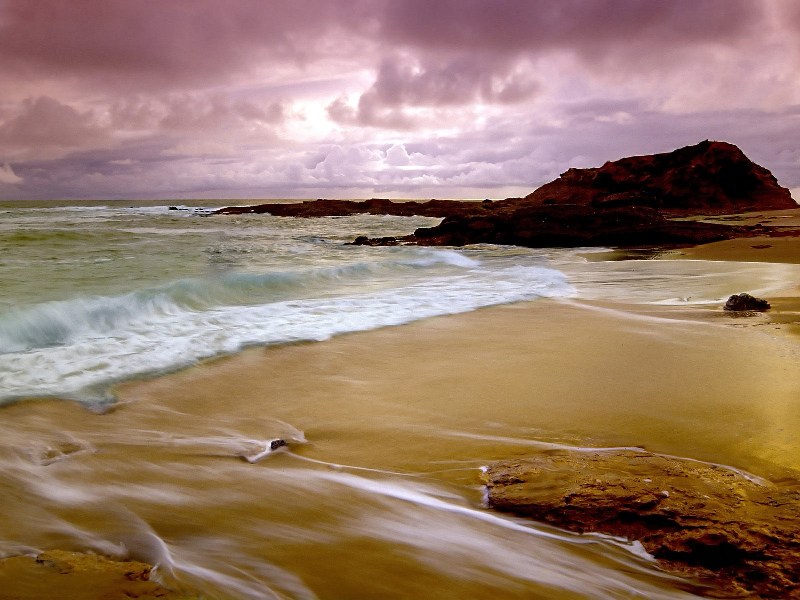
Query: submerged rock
[363, 240]
[79, 576]
[746, 302]
[737, 534]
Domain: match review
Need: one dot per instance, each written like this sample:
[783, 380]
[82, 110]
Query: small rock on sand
[746, 303]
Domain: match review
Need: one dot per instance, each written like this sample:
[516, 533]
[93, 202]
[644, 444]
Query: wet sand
[432, 402]
[701, 385]
[785, 311]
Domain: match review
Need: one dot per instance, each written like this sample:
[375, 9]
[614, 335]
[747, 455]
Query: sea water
[368, 500]
[96, 293]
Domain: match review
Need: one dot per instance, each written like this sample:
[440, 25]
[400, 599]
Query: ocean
[98, 295]
[94, 294]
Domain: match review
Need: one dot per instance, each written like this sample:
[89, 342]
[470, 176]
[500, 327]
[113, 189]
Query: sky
[182, 99]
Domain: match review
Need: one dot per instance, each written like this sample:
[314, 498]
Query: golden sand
[583, 374]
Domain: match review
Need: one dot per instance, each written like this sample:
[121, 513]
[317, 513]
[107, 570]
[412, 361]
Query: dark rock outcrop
[375, 206]
[570, 226]
[735, 534]
[629, 202]
[746, 303]
[707, 178]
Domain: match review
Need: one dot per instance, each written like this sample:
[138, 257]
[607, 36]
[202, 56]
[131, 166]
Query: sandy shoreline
[697, 384]
[439, 398]
[785, 313]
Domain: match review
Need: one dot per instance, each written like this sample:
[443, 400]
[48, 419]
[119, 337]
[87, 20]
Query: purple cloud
[46, 123]
[247, 98]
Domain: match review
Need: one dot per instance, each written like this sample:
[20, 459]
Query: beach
[399, 300]
[377, 492]
[618, 377]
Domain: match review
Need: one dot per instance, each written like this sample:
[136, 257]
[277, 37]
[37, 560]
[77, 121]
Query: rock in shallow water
[275, 444]
[736, 534]
[746, 303]
[79, 576]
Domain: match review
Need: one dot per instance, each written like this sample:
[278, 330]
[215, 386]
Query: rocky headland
[707, 178]
[634, 201]
[736, 534]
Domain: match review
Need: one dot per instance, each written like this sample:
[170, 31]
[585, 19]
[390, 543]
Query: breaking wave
[75, 347]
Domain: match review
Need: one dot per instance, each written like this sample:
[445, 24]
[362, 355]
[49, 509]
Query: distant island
[631, 202]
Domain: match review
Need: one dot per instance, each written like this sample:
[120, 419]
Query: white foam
[67, 348]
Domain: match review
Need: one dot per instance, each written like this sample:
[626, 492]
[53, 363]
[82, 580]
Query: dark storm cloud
[459, 52]
[168, 42]
[520, 26]
[459, 81]
[402, 82]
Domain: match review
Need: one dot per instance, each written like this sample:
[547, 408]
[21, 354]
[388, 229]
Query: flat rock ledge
[731, 532]
[79, 576]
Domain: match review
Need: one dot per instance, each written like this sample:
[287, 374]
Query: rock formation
[739, 535]
[341, 208]
[707, 178]
[79, 576]
[747, 303]
[567, 226]
[629, 202]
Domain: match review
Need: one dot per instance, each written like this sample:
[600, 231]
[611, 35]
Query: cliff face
[707, 178]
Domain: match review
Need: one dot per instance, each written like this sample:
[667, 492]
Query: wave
[61, 322]
[73, 346]
[107, 211]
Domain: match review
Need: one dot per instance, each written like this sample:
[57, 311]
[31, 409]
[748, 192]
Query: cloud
[407, 91]
[397, 156]
[193, 113]
[117, 44]
[462, 80]
[7, 175]
[48, 125]
[592, 28]
[169, 43]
